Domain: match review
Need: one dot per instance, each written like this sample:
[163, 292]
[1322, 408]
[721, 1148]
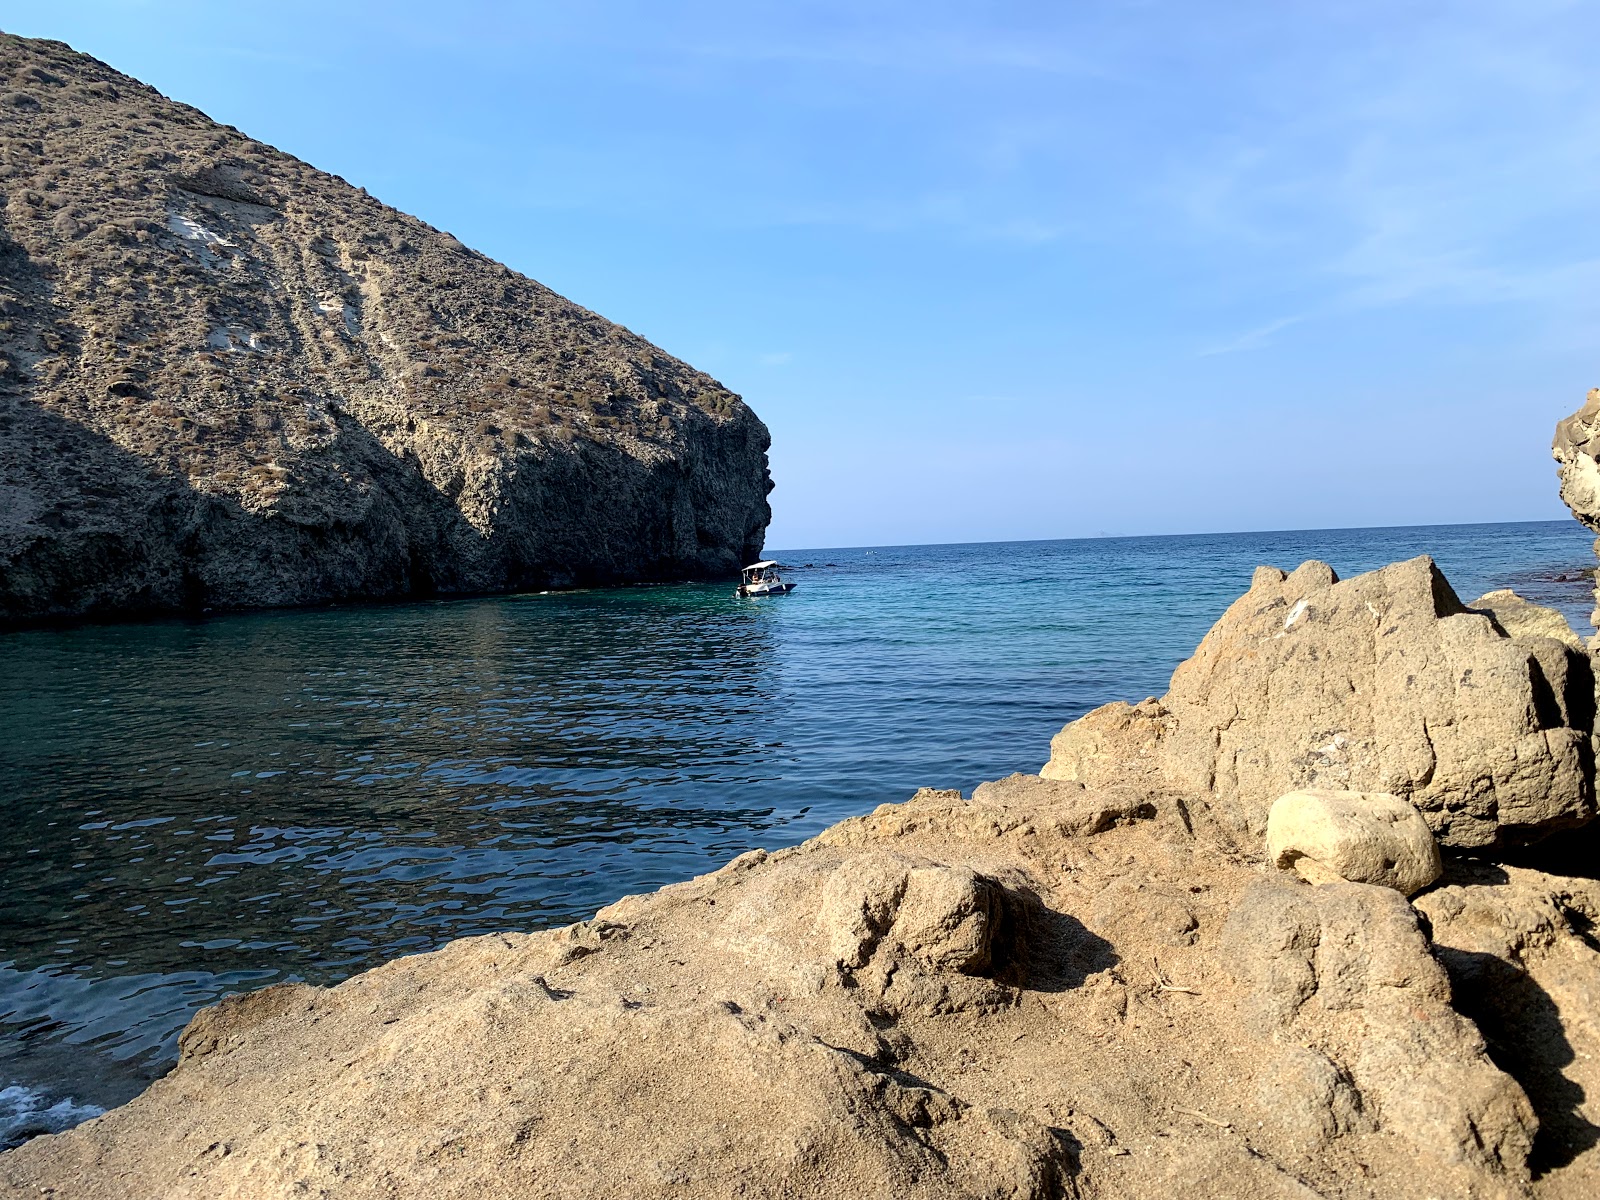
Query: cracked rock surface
[1385, 682]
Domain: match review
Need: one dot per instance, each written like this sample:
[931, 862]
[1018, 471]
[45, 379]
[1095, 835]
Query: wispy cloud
[1452, 165]
[892, 48]
[1254, 339]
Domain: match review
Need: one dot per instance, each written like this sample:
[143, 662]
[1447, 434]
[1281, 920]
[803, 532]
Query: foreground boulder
[1355, 1013]
[228, 379]
[1357, 837]
[1068, 995]
[1381, 683]
[1524, 965]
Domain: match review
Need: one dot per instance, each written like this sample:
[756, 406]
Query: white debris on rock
[192, 231]
[234, 338]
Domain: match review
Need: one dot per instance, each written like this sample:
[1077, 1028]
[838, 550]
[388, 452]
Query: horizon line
[1129, 537]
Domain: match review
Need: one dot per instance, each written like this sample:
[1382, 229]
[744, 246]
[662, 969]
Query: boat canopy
[760, 565]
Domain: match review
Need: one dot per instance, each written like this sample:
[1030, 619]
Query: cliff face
[228, 379]
[1577, 441]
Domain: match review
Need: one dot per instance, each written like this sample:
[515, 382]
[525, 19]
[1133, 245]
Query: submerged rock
[228, 379]
[1381, 683]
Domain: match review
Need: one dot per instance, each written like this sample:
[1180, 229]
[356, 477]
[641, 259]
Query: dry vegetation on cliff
[228, 378]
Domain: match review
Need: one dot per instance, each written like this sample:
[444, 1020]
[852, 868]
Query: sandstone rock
[677, 1088]
[902, 927]
[253, 384]
[225, 1025]
[1524, 963]
[1381, 683]
[1136, 910]
[1117, 743]
[1312, 1099]
[1016, 806]
[1345, 972]
[1576, 445]
[947, 918]
[859, 903]
[1359, 837]
[1522, 619]
[1061, 808]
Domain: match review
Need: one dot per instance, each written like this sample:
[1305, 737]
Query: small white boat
[762, 579]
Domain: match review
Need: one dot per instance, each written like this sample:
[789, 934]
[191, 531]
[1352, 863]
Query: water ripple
[203, 807]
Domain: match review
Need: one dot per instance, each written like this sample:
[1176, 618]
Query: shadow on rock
[1051, 951]
[1522, 1027]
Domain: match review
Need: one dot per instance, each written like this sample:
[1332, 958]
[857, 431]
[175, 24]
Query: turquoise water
[202, 807]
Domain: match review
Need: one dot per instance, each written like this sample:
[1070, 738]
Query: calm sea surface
[194, 808]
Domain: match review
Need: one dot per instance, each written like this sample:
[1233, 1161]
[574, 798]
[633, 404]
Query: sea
[198, 807]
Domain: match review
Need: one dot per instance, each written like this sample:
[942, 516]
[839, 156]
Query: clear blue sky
[1000, 270]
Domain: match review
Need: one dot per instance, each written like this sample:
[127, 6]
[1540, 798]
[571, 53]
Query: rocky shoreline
[1319, 922]
[1096, 981]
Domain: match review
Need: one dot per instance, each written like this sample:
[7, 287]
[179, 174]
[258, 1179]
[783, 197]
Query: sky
[999, 270]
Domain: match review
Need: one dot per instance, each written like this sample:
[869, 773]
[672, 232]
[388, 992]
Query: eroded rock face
[1339, 979]
[1524, 963]
[1576, 444]
[1384, 683]
[228, 379]
[1354, 837]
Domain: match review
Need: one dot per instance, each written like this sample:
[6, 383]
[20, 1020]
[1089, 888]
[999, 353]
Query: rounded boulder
[1361, 837]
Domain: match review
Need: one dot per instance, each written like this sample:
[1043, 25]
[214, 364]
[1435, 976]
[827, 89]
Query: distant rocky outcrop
[1048, 990]
[1576, 445]
[1381, 683]
[228, 379]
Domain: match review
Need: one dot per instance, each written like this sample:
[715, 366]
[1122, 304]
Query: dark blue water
[201, 807]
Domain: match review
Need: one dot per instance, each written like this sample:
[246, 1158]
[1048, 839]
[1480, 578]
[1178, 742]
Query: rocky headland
[1283, 932]
[230, 380]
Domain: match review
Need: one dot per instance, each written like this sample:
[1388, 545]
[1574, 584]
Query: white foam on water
[27, 1112]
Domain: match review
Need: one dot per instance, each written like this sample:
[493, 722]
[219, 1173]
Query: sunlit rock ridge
[228, 379]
